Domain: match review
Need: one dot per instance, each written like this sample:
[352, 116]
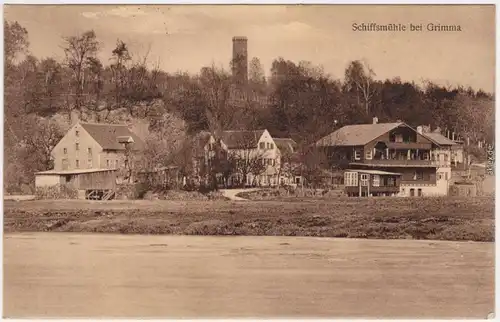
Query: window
[357, 155]
[77, 164]
[77, 146]
[273, 162]
[116, 164]
[262, 145]
[364, 179]
[391, 182]
[376, 180]
[426, 156]
[107, 164]
[368, 155]
[398, 138]
[89, 150]
[272, 145]
[446, 176]
[418, 175]
[65, 164]
[65, 151]
[77, 133]
[440, 175]
[419, 192]
[89, 163]
[351, 179]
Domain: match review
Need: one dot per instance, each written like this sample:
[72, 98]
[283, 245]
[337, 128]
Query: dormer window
[357, 155]
[368, 155]
[77, 133]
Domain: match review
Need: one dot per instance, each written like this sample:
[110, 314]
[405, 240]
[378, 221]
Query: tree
[79, 51]
[359, 78]
[256, 72]
[15, 41]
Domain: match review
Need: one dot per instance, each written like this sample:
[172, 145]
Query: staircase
[108, 195]
[100, 194]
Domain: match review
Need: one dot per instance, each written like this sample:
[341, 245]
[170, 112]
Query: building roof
[241, 139]
[374, 172]
[439, 138]
[357, 134]
[108, 135]
[75, 171]
[285, 145]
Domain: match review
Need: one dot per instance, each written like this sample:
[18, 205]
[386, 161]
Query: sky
[188, 37]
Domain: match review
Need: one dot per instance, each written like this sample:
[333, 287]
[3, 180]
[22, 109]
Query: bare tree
[248, 157]
[79, 50]
[359, 77]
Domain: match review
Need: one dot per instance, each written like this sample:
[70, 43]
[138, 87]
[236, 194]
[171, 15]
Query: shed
[90, 183]
[464, 189]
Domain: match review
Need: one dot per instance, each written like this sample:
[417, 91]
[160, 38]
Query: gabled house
[87, 158]
[254, 155]
[289, 170]
[96, 146]
[393, 148]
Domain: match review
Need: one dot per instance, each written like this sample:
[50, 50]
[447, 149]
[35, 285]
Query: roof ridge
[102, 124]
[243, 130]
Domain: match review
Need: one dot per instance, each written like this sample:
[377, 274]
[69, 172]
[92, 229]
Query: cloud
[123, 12]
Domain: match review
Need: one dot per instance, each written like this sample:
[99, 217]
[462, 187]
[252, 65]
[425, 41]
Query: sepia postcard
[249, 161]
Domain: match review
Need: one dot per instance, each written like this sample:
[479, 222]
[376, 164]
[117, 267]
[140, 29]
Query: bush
[56, 192]
[140, 190]
[26, 189]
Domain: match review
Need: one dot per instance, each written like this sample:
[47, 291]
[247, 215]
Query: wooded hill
[297, 100]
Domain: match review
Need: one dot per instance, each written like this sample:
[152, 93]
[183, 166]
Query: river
[99, 275]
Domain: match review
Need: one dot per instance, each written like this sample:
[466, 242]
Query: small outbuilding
[464, 189]
[98, 184]
[367, 183]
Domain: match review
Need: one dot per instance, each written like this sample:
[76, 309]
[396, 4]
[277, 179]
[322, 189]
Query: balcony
[383, 189]
[395, 163]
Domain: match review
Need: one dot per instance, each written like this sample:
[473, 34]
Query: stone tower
[240, 60]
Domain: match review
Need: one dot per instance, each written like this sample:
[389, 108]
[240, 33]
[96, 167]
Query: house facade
[393, 148]
[289, 161]
[257, 158]
[96, 146]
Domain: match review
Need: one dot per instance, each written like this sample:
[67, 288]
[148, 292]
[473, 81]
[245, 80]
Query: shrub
[140, 190]
[56, 192]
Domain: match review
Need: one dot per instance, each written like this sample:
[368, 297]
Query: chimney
[375, 120]
[240, 60]
[420, 129]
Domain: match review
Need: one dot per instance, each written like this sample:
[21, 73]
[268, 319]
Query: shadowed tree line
[297, 100]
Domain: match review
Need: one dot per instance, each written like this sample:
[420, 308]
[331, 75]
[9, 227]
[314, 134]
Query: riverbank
[378, 218]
